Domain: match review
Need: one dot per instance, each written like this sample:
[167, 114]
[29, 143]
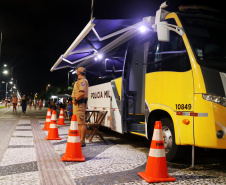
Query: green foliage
[54, 90]
[70, 88]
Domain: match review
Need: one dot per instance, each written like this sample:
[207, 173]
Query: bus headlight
[216, 99]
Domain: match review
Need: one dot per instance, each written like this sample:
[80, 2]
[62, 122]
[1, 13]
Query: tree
[54, 90]
[70, 88]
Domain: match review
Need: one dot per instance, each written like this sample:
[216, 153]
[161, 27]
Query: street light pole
[68, 78]
[1, 48]
[68, 75]
[11, 72]
[92, 4]
[6, 90]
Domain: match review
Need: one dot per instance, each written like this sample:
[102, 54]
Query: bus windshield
[208, 40]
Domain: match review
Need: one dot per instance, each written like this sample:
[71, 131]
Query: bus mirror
[163, 31]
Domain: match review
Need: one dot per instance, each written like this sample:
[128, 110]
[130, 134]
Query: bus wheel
[169, 139]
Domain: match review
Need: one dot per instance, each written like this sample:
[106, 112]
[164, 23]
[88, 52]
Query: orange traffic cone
[61, 117]
[48, 120]
[53, 130]
[73, 149]
[156, 168]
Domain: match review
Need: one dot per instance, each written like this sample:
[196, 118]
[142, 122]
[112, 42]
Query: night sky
[36, 32]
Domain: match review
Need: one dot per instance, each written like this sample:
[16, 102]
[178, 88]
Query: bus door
[134, 88]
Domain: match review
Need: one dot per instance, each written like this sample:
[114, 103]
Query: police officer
[79, 97]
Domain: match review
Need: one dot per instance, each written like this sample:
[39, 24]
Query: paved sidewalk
[52, 169]
[32, 160]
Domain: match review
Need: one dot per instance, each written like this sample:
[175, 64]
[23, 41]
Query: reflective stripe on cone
[52, 125]
[54, 117]
[73, 139]
[74, 125]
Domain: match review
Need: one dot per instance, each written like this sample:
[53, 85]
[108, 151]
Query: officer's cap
[81, 69]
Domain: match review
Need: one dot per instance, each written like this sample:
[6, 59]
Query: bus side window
[151, 52]
[169, 56]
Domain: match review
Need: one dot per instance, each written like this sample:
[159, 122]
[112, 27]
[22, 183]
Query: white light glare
[5, 72]
[143, 29]
[75, 71]
[99, 56]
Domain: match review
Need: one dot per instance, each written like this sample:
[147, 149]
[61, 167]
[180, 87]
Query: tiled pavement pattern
[19, 164]
[30, 159]
[52, 169]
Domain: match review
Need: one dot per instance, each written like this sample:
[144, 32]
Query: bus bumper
[209, 130]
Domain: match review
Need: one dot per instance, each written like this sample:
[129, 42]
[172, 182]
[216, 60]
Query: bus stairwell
[133, 94]
[135, 123]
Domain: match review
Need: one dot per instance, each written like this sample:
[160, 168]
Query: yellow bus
[175, 74]
[185, 82]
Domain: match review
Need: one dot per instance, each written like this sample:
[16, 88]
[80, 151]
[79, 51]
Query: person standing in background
[24, 104]
[35, 104]
[14, 102]
[6, 101]
[30, 103]
[40, 104]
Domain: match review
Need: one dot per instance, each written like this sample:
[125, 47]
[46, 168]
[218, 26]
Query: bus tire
[171, 149]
